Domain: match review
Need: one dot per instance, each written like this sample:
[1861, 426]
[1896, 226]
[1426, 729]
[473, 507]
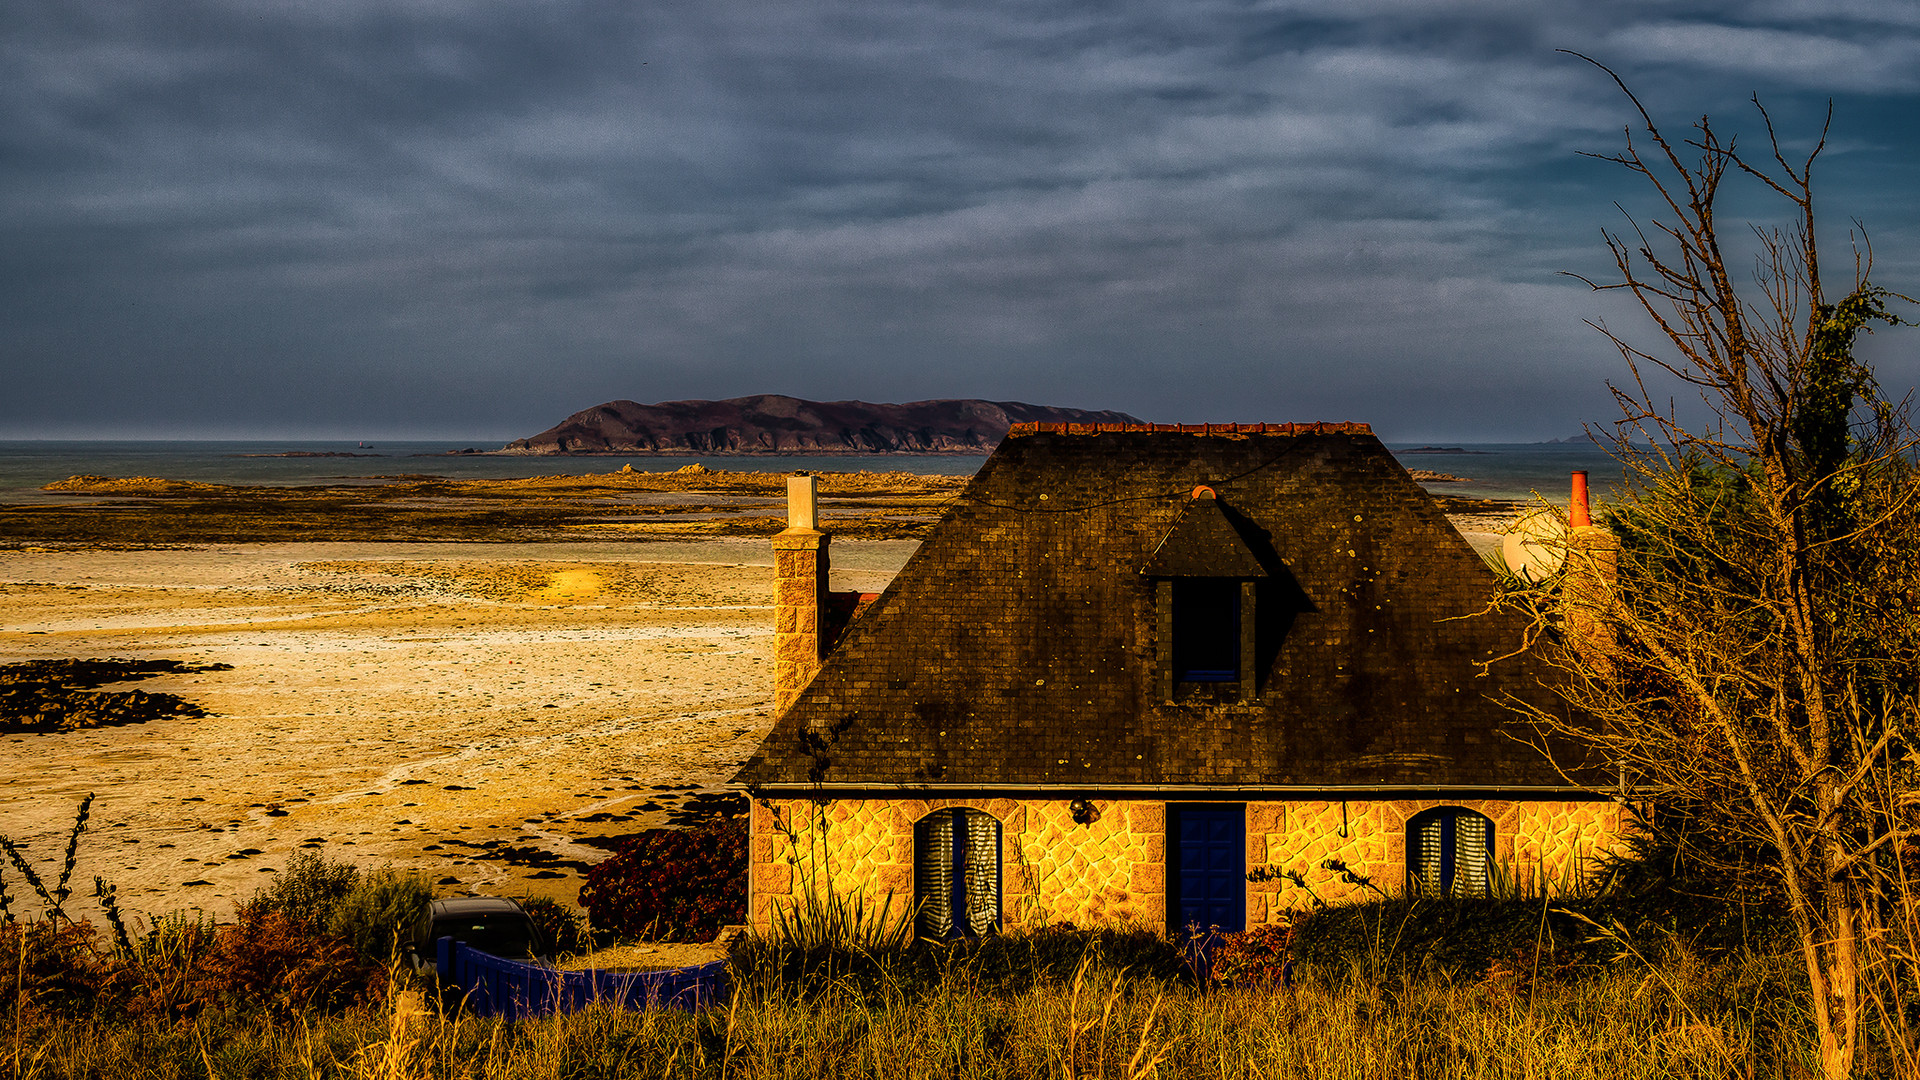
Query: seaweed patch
[64, 695]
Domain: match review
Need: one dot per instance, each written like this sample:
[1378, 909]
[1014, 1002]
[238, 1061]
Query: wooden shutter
[1472, 844]
[933, 874]
[1426, 855]
[982, 871]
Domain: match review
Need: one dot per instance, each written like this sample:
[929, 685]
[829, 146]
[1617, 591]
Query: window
[1206, 630]
[956, 863]
[1204, 577]
[1449, 852]
[1205, 641]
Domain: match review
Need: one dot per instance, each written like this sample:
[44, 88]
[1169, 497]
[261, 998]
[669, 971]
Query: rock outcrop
[773, 424]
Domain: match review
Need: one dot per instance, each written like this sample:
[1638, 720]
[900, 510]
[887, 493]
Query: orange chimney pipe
[1578, 515]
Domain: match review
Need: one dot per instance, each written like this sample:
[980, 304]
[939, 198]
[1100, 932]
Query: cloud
[514, 209]
[1877, 63]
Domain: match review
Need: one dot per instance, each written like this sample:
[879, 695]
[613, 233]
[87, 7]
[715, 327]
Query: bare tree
[1747, 645]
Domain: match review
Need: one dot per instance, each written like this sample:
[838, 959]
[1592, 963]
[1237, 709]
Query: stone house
[1141, 672]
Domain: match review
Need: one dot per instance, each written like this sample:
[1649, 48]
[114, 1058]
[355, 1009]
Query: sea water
[1515, 471]
[1491, 470]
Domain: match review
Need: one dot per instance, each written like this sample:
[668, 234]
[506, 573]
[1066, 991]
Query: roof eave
[1187, 790]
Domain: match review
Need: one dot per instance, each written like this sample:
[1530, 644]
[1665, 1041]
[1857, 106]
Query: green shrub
[174, 936]
[375, 916]
[158, 973]
[1051, 955]
[1722, 895]
[1467, 937]
[369, 911]
[1461, 937]
[829, 920]
[308, 889]
[563, 929]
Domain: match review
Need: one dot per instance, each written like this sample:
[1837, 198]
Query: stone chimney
[800, 589]
[1587, 589]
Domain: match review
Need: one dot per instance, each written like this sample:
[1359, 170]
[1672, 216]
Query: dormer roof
[1203, 543]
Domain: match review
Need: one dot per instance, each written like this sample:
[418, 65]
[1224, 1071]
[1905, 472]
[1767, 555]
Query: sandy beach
[481, 713]
[490, 715]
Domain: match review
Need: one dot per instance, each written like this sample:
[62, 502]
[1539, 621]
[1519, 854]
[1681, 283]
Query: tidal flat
[489, 715]
[487, 682]
[689, 502]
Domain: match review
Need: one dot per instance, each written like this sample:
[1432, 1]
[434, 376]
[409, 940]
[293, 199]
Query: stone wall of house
[1052, 868]
[1113, 868]
[1538, 842]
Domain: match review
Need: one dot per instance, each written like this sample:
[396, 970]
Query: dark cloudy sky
[454, 218]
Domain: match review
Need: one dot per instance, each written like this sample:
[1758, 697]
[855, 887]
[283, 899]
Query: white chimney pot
[802, 512]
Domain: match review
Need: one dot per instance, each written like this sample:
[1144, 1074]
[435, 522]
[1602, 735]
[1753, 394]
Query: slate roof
[1016, 649]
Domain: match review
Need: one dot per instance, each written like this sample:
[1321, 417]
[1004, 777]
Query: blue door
[1207, 866]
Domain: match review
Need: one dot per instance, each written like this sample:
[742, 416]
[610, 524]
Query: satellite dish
[1535, 546]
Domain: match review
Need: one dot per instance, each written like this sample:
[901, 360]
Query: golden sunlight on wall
[1052, 868]
[1534, 844]
[1113, 868]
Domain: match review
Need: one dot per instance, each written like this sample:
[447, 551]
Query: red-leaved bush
[672, 884]
[1262, 956]
[265, 960]
[49, 966]
[278, 961]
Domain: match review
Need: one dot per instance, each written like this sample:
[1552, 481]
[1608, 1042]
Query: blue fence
[511, 989]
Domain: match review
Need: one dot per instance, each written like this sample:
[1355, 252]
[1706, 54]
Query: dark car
[491, 924]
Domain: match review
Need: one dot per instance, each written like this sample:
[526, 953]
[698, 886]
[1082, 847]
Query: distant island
[774, 424]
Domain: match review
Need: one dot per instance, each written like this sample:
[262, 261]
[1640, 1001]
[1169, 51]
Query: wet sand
[688, 503]
[481, 713]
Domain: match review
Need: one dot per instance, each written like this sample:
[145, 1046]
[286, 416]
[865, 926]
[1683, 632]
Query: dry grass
[1683, 1019]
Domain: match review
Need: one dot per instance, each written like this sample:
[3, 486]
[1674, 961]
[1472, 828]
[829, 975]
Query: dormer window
[1204, 576]
[1206, 630]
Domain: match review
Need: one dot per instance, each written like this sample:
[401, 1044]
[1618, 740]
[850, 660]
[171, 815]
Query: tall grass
[1683, 1018]
[1518, 986]
[826, 919]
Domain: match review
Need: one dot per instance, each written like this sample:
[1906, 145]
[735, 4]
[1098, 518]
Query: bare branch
[1756, 656]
